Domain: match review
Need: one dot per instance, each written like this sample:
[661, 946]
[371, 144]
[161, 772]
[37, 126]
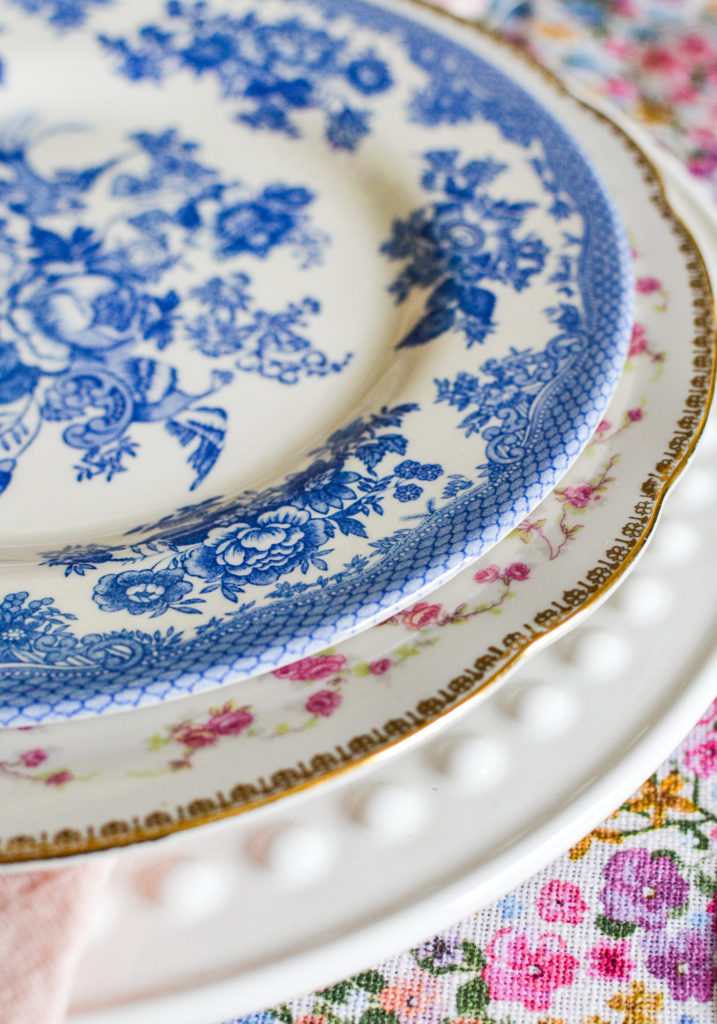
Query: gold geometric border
[491, 664]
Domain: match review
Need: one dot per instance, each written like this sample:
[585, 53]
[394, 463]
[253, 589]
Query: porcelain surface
[73, 787]
[307, 304]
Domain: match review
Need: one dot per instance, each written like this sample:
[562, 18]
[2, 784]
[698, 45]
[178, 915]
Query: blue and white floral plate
[306, 304]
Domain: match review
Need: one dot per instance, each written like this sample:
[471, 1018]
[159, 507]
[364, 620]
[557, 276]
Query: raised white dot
[644, 599]
[294, 853]
[193, 889]
[674, 543]
[599, 655]
[475, 762]
[388, 809]
[547, 711]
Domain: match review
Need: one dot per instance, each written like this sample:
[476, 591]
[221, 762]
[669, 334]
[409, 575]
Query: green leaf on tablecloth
[370, 981]
[375, 1015]
[282, 1013]
[706, 884]
[668, 853]
[678, 911]
[472, 997]
[701, 841]
[473, 956]
[615, 929]
[337, 993]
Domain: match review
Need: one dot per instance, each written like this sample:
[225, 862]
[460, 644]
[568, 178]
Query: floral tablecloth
[622, 929]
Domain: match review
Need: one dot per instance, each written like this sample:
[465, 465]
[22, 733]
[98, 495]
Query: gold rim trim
[498, 659]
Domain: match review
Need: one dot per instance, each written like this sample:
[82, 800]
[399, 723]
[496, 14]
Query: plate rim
[374, 604]
[24, 850]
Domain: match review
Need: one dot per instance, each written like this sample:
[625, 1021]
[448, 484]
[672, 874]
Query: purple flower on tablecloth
[444, 950]
[642, 889]
[685, 961]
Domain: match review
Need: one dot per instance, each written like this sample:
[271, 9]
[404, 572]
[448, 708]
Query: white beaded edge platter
[158, 773]
[434, 834]
[198, 483]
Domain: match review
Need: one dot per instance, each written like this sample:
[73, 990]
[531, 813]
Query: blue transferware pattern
[95, 331]
[87, 313]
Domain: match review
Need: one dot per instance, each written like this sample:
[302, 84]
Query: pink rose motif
[516, 571]
[490, 574]
[611, 960]
[229, 723]
[32, 758]
[634, 415]
[518, 973]
[648, 285]
[59, 779]
[421, 615]
[702, 760]
[603, 426]
[380, 667]
[561, 901]
[638, 341]
[195, 736]
[580, 496]
[323, 702]
[320, 667]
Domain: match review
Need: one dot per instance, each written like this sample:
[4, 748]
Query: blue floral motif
[63, 14]
[272, 70]
[263, 538]
[86, 311]
[455, 244]
[144, 592]
[505, 396]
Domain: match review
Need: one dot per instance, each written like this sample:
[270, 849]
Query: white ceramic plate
[407, 849]
[104, 783]
[306, 304]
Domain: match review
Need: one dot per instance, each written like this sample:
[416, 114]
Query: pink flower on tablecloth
[516, 571]
[638, 341]
[561, 901]
[408, 999]
[320, 667]
[647, 285]
[379, 667]
[490, 574]
[580, 496]
[518, 973]
[702, 760]
[59, 779]
[229, 722]
[611, 960]
[311, 1018]
[32, 758]
[323, 702]
[421, 615]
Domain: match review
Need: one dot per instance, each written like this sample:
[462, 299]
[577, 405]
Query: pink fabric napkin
[44, 919]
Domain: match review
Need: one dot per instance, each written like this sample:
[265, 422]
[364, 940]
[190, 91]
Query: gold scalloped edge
[492, 664]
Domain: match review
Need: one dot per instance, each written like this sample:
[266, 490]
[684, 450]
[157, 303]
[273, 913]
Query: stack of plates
[346, 360]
